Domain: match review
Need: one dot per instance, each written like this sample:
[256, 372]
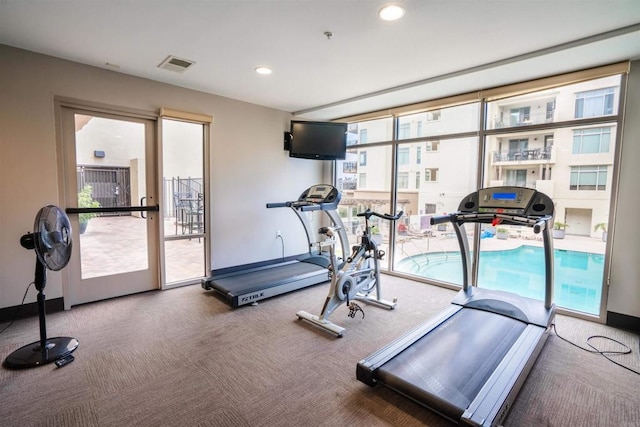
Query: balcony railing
[522, 155]
[524, 120]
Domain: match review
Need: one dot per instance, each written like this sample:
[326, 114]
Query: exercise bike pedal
[381, 254]
[353, 309]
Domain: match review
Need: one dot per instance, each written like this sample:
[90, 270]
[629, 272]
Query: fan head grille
[52, 237]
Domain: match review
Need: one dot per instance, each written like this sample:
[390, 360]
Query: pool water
[577, 275]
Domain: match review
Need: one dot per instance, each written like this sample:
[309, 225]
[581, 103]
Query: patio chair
[195, 214]
[182, 208]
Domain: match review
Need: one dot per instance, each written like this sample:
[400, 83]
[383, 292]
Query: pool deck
[409, 245]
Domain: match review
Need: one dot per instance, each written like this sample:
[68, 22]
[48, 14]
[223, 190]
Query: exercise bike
[354, 279]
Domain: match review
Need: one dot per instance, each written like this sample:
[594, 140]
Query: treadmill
[469, 362]
[241, 286]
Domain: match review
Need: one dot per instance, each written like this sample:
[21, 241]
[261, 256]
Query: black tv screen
[318, 140]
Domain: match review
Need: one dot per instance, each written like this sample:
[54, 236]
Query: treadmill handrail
[278, 205]
[538, 223]
[303, 206]
[541, 224]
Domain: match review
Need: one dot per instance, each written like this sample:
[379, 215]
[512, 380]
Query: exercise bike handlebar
[368, 214]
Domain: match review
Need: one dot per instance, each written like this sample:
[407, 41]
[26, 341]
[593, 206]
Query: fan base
[32, 355]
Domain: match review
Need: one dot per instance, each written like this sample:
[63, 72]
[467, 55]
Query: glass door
[184, 208]
[109, 180]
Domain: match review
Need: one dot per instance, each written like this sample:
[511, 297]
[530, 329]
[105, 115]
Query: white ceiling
[439, 48]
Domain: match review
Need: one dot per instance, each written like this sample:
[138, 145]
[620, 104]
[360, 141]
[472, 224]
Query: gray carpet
[184, 358]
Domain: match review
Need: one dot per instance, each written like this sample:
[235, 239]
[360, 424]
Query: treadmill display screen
[507, 199]
[504, 196]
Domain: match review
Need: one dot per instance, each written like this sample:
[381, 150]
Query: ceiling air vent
[176, 64]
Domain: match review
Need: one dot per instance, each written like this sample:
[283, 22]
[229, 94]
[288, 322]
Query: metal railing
[522, 155]
[523, 120]
[185, 187]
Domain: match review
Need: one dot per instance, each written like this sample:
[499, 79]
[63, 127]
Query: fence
[178, 188]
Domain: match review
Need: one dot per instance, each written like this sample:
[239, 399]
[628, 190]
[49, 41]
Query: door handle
[153, 208]
[142, 204]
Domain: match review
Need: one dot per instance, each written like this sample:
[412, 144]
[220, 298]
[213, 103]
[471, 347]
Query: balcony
[523, 120]
[537, 155]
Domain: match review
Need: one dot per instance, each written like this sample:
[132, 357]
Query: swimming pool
[577, 275]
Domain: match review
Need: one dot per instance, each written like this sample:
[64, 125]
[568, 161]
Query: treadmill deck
[249, 286]
[446, 368]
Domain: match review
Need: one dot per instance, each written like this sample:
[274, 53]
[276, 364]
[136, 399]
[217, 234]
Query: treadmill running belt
[256, 280]
[433, 373]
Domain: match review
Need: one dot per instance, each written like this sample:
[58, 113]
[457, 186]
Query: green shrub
[85, 200]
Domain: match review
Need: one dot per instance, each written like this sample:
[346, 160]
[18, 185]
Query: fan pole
[41, 281]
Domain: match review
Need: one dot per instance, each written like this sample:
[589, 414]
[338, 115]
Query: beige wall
[248, 164]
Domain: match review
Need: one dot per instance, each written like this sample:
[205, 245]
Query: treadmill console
[320, 197]
[324, 196]
[520, 201]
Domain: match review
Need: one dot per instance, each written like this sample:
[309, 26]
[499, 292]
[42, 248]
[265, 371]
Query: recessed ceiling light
[263, 70]
[391, 12]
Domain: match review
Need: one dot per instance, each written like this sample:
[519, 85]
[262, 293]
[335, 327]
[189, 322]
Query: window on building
[431, 174]
[517, 177]
[404, 131]
[433, 115]
[595, 103]
[349, 167]
[517, 147]
[418, 154]
[551, 108]
[403, 180]
[364, 136]
[362, 180]
[588, 177]
[432, 145]
[363, 158]
[520, 116]
[429, 208]
[593, 140]
[417, 180]
[403, 155]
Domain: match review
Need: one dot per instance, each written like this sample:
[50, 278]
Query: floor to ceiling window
[566, 149]
[558, 139]
[444, 161]
[364, 178]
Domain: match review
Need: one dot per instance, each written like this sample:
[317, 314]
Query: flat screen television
[317, 140]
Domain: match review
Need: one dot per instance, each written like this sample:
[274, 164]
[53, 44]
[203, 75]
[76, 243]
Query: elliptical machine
[355, 279]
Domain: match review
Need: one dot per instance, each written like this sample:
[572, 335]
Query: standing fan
[51, 239]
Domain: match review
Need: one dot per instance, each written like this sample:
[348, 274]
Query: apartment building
[556, 140]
